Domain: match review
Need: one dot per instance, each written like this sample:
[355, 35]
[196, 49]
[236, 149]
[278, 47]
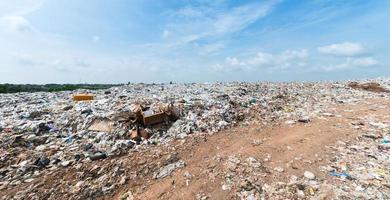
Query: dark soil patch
[372, 87]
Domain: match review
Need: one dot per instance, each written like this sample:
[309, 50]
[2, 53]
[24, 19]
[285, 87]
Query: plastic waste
[385, 140]
[69, 139]
[341, 175]
[98, 155]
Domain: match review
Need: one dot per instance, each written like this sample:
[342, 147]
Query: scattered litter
[167, 170]
[385, 140]
[342, 175]
[97, 156]
[309, 175]
[305, 119]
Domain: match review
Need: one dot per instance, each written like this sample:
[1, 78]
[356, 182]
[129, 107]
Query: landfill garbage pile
[41, 131]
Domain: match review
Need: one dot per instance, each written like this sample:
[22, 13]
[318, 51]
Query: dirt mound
[372, 87]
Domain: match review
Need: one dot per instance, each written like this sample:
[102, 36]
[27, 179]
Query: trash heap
[41, 130]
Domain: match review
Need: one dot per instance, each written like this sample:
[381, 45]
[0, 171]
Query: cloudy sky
[100, 41]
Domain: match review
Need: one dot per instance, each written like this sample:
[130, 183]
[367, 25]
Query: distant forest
[13, 88]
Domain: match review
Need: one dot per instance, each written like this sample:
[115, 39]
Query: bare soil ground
[372, 87]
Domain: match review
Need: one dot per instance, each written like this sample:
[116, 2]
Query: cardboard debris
[160, 113]
[144, 133]
[172, 112]
[138, 134]
[136, 108]
[150, 118]
[133, 134]
[104, 125]
[82, 97]
[124, 116]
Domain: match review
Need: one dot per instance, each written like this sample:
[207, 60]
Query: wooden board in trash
[82, 97]
[154, 118]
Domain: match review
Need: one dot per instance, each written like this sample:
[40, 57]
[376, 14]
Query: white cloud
[283, 60]
[13, 14]
[234, 62]
[294, 54]
[240, 17]
[351, 63]
[188, 12]
[261, 60]
[342, 49]
[15, 24]
[54, 61]
[190, 24]
[353, 53]
[211, 48]
[19, 7]
[364, 62]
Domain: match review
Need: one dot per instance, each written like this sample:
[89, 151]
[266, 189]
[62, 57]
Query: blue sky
[100, 41]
